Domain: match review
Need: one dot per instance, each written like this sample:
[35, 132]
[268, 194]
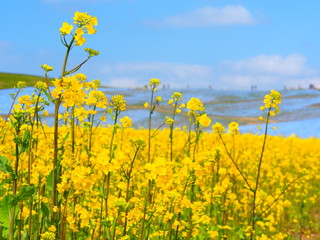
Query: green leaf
[66, 137]
[25, 141]
[45, 210]
[50, 181]
[5, 208]
[250, 189]
[109, 110]
[6, 167]
[25, 192]
[256, 218]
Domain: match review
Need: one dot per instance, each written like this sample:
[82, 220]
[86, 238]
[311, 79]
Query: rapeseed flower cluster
[85, 24]
[271, 103]
[224, 202]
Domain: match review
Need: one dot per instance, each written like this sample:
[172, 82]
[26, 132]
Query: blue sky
[195, 43]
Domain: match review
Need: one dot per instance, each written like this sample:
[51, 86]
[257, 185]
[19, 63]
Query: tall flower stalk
[154, 83]
[175, 100]
[271, 106]
[84, 23]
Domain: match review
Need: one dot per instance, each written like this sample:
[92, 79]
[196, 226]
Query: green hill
[10, 80]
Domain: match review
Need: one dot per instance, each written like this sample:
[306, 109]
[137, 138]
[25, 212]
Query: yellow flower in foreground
[126, 122]
[195, 104]
[21, 84]
[66, 28]
[52, 228]
[263, 237]
[48, 236]
[154, 82]
[79, 40]
[84, 19]
[91, 52]
[79, 31]
[91, 29]
[177, 95]
[169, 120]
[204, 120]
[118, 102]
[272, 101]
[55, 209]
[213, 234]
[46, 67]
[218, 128]
[103, 118]
[41, 86]
[233, 128]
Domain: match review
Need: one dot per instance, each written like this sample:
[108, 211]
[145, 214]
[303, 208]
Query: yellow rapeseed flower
[91, 52]
[41, 86]
[126, 122]
[66, 28]
[118, 102]
[271, 102]
[46, 67]
[195, 104]
[218, 128]
[204, 120]
[169, 120]
[159, 98]
[21, 84]
[84, 19]
[154, 82]
[48, 236]
[233, 128]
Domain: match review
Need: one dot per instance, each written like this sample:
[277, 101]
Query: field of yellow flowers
[84, 179]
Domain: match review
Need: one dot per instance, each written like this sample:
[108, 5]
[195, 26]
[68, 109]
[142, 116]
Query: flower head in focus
[271, 103]
[84, 23]
[66, 28]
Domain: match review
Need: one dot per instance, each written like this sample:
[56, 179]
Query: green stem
[73, 130]
[253, 211]
[15, 185]
[151, 109]
[171, 131]
[111, 153]
[56, 164]
[234, 163]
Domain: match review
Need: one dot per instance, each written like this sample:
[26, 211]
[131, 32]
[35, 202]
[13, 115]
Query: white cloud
[139, 74]
[269, 71]
[265, 71]
[208, 16]
[292, 65]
